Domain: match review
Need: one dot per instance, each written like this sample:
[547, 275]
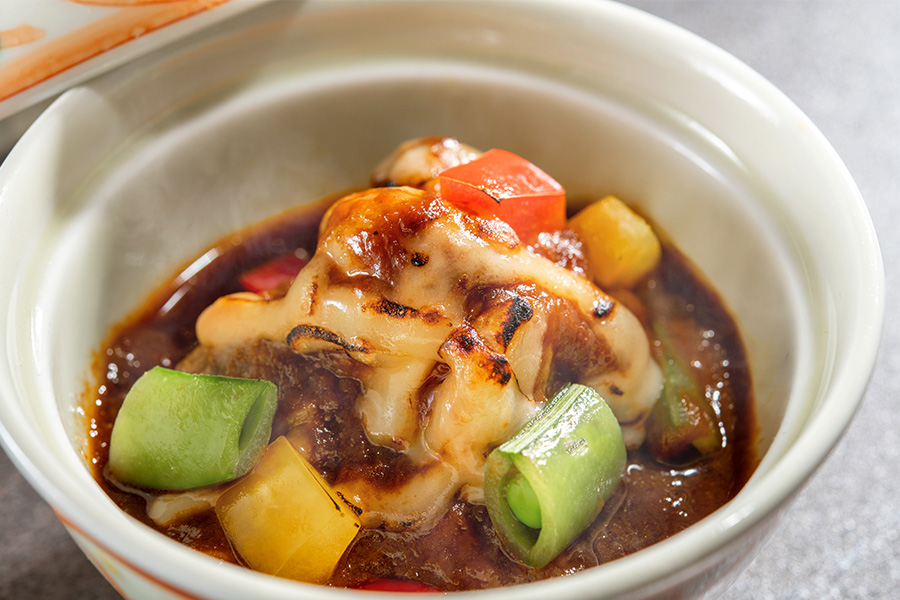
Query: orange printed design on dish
[109, 575]
[122, 2]
[71, 49]
[19, 36]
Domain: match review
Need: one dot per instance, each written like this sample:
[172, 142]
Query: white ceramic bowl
[123, 179]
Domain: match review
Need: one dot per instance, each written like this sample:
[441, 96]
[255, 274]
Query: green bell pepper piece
[681, 426]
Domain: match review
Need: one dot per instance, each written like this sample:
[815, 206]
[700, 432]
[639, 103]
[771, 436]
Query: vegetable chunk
[683, 425]
[285, 520]
[546, 484]
[620, 246]
[275, 273]
[178, 431]
[503, 185]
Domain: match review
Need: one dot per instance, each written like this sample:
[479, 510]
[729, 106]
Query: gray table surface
[839, 61]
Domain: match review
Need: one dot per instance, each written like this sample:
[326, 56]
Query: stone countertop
[839, 61]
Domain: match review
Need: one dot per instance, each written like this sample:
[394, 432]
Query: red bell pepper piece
[396, 585]
[272, 274]
[504, 185]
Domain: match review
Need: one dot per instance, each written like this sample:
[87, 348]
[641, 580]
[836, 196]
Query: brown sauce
[462, 551]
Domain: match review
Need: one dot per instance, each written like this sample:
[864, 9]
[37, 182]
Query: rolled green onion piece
[523, 502]
[179, 431]
[546, 484]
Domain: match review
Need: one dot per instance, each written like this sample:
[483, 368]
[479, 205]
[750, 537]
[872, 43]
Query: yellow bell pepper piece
[620, 247]
[285, 520]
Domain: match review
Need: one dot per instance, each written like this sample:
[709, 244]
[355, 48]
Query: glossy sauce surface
[462, 550]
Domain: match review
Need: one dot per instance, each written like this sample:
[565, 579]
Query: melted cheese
[411, 286]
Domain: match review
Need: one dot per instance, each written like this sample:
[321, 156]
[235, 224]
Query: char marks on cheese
[461, 331]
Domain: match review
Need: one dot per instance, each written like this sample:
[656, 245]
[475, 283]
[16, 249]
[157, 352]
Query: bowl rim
[160, 555]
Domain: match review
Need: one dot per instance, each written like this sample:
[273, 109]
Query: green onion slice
[179, 430]
[682, 425]
[546, 484]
